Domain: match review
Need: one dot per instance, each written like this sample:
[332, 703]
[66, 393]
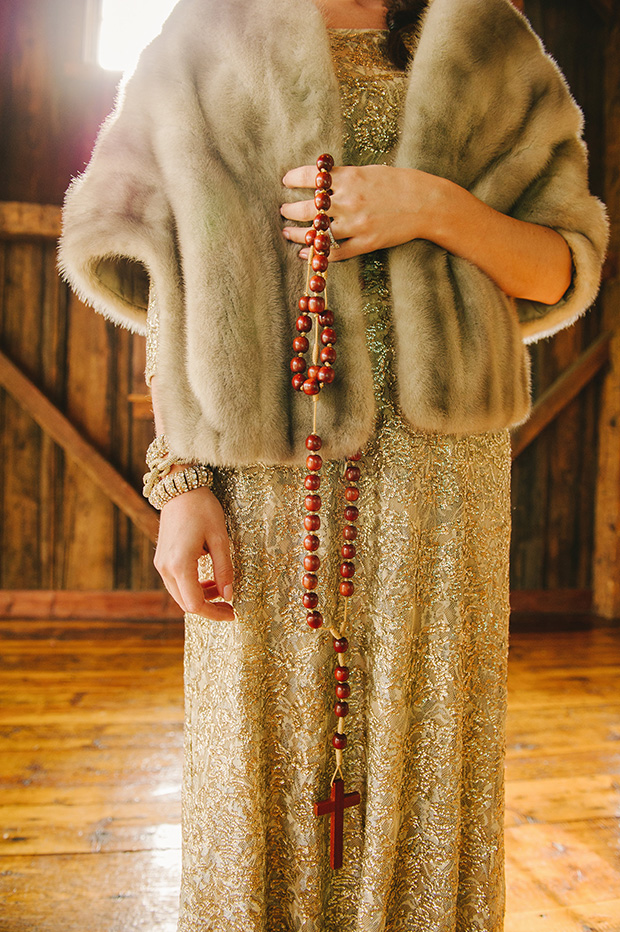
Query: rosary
[315, 317]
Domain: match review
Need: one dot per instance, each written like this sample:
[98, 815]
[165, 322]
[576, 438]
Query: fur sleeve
[117, 226]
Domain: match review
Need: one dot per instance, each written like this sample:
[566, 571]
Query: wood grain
[91, 744]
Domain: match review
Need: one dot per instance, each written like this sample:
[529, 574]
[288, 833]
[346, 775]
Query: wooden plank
[564, 601]
[21, 450]
[100, 893]
[78, 448]
[606, 563]
[562, 392]
[29, 221]
[92, 828]
[78, 604]
[571, 866]
[563, 799]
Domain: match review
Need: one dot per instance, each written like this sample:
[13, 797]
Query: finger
[219, 548]
[193, 597]
[299, 210]
[302, 177]
[170, 584]
[296, 235]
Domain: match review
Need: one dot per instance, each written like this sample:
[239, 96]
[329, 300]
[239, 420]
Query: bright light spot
[127, 26]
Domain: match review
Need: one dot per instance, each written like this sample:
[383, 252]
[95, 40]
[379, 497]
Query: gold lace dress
[428, 648]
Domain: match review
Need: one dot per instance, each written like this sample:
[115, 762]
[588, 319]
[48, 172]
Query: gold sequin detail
[428, 651]
[370, 86]
[152, 336]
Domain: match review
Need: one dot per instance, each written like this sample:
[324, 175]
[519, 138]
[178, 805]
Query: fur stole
[184, 186]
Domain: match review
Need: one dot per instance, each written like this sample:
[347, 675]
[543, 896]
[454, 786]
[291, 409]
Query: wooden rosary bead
[325, 162]
[352, 473]
[356, 457]
[301, 344]
[312, 502]
[312, 483]
[313, 372]
[347, 569]
[313, 442]
[348, 551]
[328, 336]
[298, 364]
[319, 263]
[347, 588]
[351, 493]
[328, 354]
[311, 562]
[351, 513]
[326, 319]
[311, 233]
[341, 709]
[311, 542]
[312, 522]
[339, 741]
[349, 532]
[314, 461]
[314, 619]
[316, 304]
[320, 222]
[310, 581]
[302, 304]
[326, 375]
[323, 181]
[343, 690]
[322, 243]
[322, 201]
[341, 673]
[317, 283]
[303, 323]
[311, 387]
[310, 600]
[341, 645]
[297, 381]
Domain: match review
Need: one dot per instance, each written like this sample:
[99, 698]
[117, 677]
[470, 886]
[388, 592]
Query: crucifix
[336, 805]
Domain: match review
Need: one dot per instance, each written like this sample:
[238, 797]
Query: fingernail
[286, 234]
[303, 253]
[228, 592]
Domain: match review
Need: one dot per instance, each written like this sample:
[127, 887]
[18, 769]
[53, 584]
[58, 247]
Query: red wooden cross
[336, 805]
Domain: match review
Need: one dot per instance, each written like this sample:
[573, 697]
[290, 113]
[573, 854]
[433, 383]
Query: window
[122, 29]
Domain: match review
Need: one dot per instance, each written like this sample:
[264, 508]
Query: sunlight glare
[127, 26]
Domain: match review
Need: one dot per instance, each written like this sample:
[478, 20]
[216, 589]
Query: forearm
[524, 259]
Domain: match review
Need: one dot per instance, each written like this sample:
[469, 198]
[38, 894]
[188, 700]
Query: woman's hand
[378, 206]
[191, 525]
[373, 207]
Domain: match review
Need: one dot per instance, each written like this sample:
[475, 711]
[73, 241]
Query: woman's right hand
[190, 525]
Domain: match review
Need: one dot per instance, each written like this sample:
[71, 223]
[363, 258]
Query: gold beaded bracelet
[160, 485]
[176, 483]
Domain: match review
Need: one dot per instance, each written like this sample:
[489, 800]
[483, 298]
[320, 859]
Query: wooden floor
[90, 771]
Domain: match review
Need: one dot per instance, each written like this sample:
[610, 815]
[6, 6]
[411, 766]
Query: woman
[461, 184]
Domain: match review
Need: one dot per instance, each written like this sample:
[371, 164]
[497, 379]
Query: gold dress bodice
[428, 649]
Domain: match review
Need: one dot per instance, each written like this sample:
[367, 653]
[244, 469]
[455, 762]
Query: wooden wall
[554, 480]
[57, 529]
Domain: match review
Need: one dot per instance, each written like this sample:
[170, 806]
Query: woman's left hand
[373, 207]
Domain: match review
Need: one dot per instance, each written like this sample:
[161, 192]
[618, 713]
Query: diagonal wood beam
[566, 387]
[54, 423]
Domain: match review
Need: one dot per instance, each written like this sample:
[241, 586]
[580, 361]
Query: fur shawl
[184, 186]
